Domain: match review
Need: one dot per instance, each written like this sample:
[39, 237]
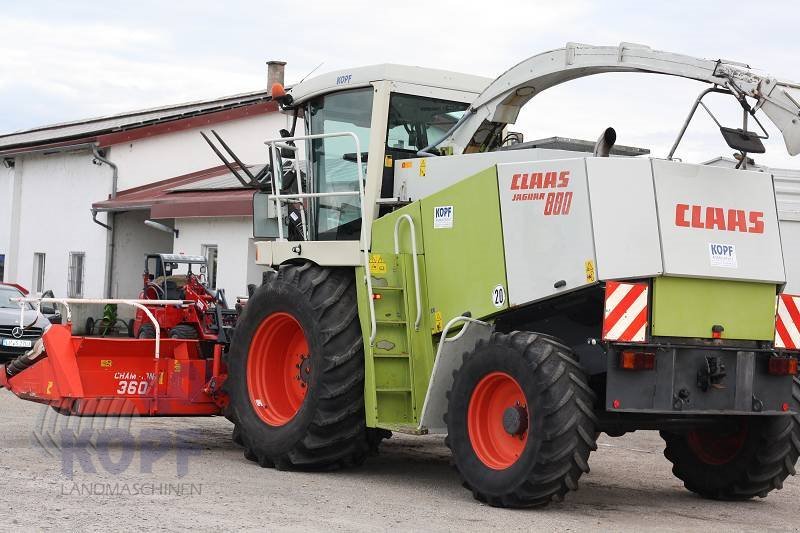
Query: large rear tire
[520, 420]
[751, 459]
[296, 371]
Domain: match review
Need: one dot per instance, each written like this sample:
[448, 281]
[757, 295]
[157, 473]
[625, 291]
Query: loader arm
[502, 100]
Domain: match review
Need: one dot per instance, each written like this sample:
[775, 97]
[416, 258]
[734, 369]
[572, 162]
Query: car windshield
[6, 295]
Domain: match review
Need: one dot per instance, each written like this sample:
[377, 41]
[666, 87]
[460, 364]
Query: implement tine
[233, 155]
[226, 162]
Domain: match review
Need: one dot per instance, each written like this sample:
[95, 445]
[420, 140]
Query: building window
[77, 260]
[210, 252]
[38, 272]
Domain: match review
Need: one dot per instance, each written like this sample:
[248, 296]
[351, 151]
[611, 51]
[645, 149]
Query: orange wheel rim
[714, 448]
[498, 420]
[278, 369]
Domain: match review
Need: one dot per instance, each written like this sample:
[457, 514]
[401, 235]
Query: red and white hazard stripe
[787, 322]
[625, 317]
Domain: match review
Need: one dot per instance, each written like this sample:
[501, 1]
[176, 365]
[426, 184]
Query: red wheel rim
[278, 369]
[492, 397]
[714, 448]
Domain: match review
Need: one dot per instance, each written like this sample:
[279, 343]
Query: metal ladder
[392, 358]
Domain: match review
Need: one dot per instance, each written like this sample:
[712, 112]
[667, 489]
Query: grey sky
[69, 60]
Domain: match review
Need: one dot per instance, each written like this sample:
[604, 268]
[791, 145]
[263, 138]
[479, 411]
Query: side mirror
[48, 310]
[265, 219]
[742, 141]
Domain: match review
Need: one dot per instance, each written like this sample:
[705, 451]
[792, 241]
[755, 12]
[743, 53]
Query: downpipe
[100, 159]
[103, 224]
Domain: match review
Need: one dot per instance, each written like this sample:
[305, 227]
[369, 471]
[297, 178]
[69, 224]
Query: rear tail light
[637, 360]
[782, 366]
[625, 312]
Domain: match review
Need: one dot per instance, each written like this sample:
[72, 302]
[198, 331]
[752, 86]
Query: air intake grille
[27, 333]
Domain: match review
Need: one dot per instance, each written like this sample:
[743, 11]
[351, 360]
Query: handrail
[458, 335]
[410, 221]
[139, 304]
[277, 178]
[295, 195]
[437, 360]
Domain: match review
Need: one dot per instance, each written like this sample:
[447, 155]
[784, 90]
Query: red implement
[88, 376]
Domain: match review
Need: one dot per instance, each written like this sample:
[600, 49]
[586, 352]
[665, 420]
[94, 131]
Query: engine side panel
[547, 228]
[718, 223]
[624, 219]
[464, 249]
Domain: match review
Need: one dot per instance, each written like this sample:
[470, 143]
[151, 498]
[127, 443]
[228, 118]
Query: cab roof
[364, 76]
[180, 258]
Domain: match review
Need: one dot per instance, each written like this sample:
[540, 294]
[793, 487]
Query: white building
[74, 196]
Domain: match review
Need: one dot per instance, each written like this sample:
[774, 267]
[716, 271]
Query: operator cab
[165, 275]
[401, 109]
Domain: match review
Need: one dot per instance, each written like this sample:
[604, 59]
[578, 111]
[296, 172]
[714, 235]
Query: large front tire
[520, 420]
[183, 331]
[752, 458]
[296, 371]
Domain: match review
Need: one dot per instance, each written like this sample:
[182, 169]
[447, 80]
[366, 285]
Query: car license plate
[17, 343]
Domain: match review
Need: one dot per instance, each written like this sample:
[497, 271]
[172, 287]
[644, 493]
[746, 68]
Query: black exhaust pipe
[605, 143]
[26, 360]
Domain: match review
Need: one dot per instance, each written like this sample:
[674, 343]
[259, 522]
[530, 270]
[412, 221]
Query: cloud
[61, 61]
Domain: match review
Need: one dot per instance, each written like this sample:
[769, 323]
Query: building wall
[236, 265]
[6, 194]
[45, 204]
[166, 156]
[52, 216]
[131, 242]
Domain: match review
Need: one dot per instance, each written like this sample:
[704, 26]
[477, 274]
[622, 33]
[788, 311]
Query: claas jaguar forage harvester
[440, 276]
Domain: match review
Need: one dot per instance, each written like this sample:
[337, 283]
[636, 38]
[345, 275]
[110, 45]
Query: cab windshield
[413, 123]
[416, 121]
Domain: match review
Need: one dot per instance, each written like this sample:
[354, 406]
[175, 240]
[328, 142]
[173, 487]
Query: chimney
[275, 73]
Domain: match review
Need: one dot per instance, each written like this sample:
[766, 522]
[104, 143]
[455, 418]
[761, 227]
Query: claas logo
[540, 180]
[555, 202]
[707, 217]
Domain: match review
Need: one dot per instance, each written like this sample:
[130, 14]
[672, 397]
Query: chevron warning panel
[625, 317]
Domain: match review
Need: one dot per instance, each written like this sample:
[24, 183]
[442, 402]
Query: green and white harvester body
[429, 273]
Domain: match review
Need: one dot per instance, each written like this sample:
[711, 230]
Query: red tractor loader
[203, 314]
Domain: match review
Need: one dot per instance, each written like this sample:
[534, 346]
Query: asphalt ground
[186, 474]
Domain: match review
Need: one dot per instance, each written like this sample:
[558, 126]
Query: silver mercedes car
[16, 339]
